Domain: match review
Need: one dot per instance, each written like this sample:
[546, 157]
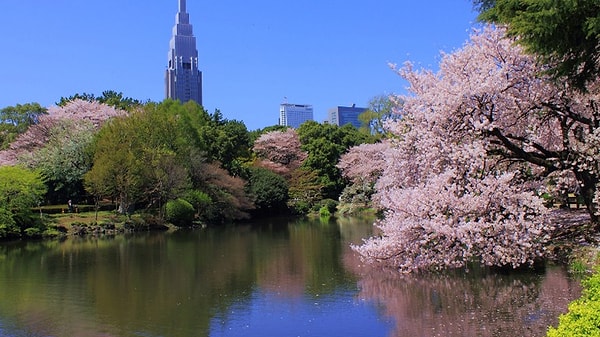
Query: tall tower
[183, 79]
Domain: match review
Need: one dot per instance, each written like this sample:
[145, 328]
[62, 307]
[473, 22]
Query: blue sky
[252, 53]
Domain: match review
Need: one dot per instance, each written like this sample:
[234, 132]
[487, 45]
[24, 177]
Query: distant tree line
[176, 162]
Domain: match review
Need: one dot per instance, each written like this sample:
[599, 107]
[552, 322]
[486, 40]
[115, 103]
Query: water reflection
[478, 303]
[278, 278]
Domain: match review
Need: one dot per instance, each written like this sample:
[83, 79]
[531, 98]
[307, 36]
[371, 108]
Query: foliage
[37, 135]
[583, 318]
[269, 190]
[164, 151]
[64, 159]
[324, 212]
[305, 190]
[108, 97]
[225, 141]
[329, 204]
[381, 108]
[201, 202]
[565, 34]
[228, 194]
[364, 163]
[142, 158]
[279, 151]
[117, 169]
[8, 226]
[14, 120]
[20, 190]
[325, 143]
[476, 141]
[179, 212]
[253, 135]
[356, 198]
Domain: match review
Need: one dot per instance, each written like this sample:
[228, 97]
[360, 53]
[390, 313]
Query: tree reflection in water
[477, 303]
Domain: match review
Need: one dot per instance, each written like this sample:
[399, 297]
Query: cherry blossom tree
[37, 135]
[280, 151]
[365, 162]
[362, 165]
[477, 141]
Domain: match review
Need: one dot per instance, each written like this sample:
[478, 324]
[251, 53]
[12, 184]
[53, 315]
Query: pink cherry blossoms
[280, 151]
[478, 142]
[37, 135]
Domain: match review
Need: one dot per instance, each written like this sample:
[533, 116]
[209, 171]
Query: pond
[280, 277]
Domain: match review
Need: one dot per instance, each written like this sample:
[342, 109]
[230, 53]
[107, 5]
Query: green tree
[305, 190]
[15, 120]
[108, 97]
[380, 109]
[20, 190]
[268, 189]
[564, 34]
[226, 141]
[325, 143]
[161, 152]
[201, 203]
[117, 165]
[139, 157]
[64, 159]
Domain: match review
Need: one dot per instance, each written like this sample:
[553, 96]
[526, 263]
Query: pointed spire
[182, 7]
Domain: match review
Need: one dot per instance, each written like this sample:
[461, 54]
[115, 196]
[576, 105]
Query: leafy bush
[269, 190]
[329, 204]
[201, 202]
[179, 212]
[33, 232]
[324, 212]
[583, 318]
[8, 227]
[299, 206]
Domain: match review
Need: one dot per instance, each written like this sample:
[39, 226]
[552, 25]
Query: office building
[183, 79]
[342, 115]
[293, 115]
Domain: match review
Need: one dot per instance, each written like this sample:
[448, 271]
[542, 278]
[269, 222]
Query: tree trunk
[588, 189]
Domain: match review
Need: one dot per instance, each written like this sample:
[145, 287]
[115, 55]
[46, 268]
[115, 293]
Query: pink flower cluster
[37, 135]
[459, 182]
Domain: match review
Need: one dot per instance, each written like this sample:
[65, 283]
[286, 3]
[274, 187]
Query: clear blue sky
[252, 53]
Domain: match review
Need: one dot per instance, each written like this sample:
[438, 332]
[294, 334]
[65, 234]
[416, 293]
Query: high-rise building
[342, 115]
[183, 80]
[293, 115]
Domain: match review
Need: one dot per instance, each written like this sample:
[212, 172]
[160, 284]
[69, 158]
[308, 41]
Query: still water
[280, 277]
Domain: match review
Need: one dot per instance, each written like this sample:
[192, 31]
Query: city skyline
[325, 54]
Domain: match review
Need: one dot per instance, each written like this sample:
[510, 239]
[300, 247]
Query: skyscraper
[183, 80]
[293, 115]
[342, 115]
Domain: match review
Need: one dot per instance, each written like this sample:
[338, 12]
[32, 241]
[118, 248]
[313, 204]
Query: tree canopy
[165, 151]
[480, 140]
[325, 143]
[20, 190]
[15, 120]
[108, 97]
[564, 34]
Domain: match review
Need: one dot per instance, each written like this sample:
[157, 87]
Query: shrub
[179, 212]
[324, 212]
[269, 190]
[33, 232]
[330, 204]
[299, 206]
[583, 318]
[8, 227]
